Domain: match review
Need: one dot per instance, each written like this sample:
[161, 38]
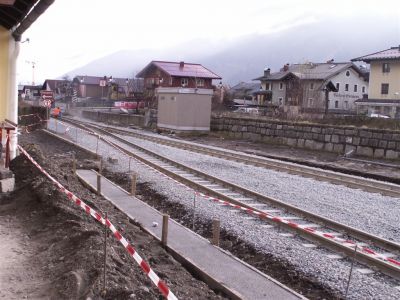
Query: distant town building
[31, 92]
[244, 93]
[106, 87]
[58, 86]
[384, 88]
[182, 93]
[313, 87]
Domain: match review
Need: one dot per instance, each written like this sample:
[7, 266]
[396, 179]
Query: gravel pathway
[313, 262]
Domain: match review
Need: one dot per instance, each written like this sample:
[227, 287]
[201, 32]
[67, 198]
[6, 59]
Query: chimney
[181, 65]
[267, 72]
[286, 67]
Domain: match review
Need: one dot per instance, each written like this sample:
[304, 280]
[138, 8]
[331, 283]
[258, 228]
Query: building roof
[53, 83]
[249, 87]
[312, 71]
[180, 69]
[95, 80]
[388, 54]
[18, 15]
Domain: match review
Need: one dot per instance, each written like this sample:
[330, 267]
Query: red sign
[47, 95]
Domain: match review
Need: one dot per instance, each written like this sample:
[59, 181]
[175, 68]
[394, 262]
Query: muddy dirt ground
[51, 249]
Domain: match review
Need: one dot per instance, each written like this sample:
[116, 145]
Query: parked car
[247, 110]
[379, 116]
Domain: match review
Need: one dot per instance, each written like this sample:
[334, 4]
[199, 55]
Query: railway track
[372, 186]
[376, 252]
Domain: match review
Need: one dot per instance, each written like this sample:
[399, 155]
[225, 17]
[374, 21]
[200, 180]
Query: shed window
[199, 82]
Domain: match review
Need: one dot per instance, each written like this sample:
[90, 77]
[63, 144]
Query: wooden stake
[133, 184]
[74, 164]
[105, 256]
[216, 232]
[164, 235]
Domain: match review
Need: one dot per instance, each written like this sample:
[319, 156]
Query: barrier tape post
[74, 164]
[133, 184]
[164, 234]
[162, 287]
[56, 125]
[105, 255]
[351, 271]
[130, 157]
[76, 135]
[97, 145]
[99, 178]
[216, 232]
[194, 210]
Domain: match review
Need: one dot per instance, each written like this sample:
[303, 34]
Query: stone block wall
[114, 118]
[379, 143]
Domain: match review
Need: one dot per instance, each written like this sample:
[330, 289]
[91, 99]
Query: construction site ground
[51, 249]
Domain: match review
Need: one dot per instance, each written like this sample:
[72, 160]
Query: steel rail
[365, 258]
[368, 185]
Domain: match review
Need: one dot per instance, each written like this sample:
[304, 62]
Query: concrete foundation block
[7, 185]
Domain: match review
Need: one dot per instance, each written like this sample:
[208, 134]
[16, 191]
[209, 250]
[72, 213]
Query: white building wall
[345, 99]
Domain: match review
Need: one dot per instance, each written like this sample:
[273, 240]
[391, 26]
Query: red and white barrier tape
[277, 219]
[166, 292]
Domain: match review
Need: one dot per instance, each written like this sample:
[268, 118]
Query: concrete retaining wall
[377, 143]
[114, 118]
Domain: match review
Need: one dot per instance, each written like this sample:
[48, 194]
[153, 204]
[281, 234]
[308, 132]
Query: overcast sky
[74, 32]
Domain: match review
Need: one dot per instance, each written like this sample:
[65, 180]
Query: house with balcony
[181, 92]
[313, 88]
[384, 83]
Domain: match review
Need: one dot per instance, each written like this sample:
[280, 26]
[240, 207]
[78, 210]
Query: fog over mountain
[246, 57]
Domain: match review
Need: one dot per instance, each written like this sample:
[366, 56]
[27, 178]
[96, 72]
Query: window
[385, 68]
[336, 104]
[385, 88]
[280, 100]
[363, 89]
[199, 82]
[337, 86]
[346, 87]
[347, 73]
[184, 81]
[310, 102]
[267, 86]
[170, 81]
[346, 104]
[281, 85]
[355, 88]
[311, 85]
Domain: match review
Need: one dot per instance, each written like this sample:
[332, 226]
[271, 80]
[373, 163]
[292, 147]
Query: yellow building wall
[377, 77]
[4, 71]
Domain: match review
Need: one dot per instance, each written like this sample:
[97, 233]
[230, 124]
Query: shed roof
[388, 54]
[180, 69]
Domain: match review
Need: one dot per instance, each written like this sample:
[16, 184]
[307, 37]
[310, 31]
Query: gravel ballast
[333, 201]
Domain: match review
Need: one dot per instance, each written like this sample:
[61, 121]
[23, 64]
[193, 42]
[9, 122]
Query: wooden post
[164, 235]
[133, 184]
[99, 177]
[74, 164]
[7, 164]
[56, 124]
[216, 231]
